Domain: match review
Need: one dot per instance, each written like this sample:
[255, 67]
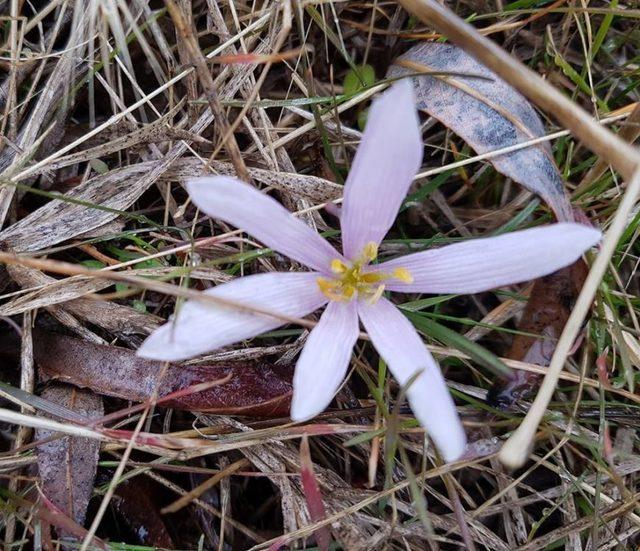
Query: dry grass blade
[204, 487]
[186, 34]
[630, 131]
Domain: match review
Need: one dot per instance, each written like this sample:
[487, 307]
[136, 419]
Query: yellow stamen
[353, 280]
[330, 288]
[403, 275]
[338, 267]
[373, 277]
[370, 251]
[349, 292]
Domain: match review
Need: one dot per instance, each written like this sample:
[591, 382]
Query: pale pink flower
[349, 285]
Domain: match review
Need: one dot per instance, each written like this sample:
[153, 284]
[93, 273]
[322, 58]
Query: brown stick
[601, 141]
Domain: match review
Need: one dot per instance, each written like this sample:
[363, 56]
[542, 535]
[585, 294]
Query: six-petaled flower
[351, 285]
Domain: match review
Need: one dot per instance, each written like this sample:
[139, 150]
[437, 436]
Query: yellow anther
[370, 251]
[338, 267]
[403, 275]
[330, 288]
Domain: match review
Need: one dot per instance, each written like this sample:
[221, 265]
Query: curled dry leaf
[488, 114]
[254, 388]
[67, 465]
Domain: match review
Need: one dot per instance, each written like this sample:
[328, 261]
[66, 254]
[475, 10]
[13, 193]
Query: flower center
[351, 280]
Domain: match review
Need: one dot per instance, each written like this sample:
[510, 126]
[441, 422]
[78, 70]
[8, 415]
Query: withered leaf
[488, 114]
[254, 388]
[101, 199]
[70, 216]
[547, 312]
[67, 465]
[136, 502]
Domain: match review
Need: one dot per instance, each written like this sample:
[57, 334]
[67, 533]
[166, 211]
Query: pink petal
[262, 217]
[388, 158]
[324, 360]
[482, 264]
[200, 327]
[400, 346]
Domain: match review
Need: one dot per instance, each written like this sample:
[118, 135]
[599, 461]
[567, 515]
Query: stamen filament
[375, 297]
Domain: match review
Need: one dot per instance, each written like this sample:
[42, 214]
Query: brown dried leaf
[546, 314]
[256, 388]
[68, 465]
[136, 503]
[488, 114]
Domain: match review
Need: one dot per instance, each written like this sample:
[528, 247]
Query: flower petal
[388, 158]
[482, 264]
[401, 347]
[200, 327]
[324, 360]
[262, 217]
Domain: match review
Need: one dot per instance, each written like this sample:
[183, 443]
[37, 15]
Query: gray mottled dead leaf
[74, 214]
[68, 217]
[67, 466]
[488, 114]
